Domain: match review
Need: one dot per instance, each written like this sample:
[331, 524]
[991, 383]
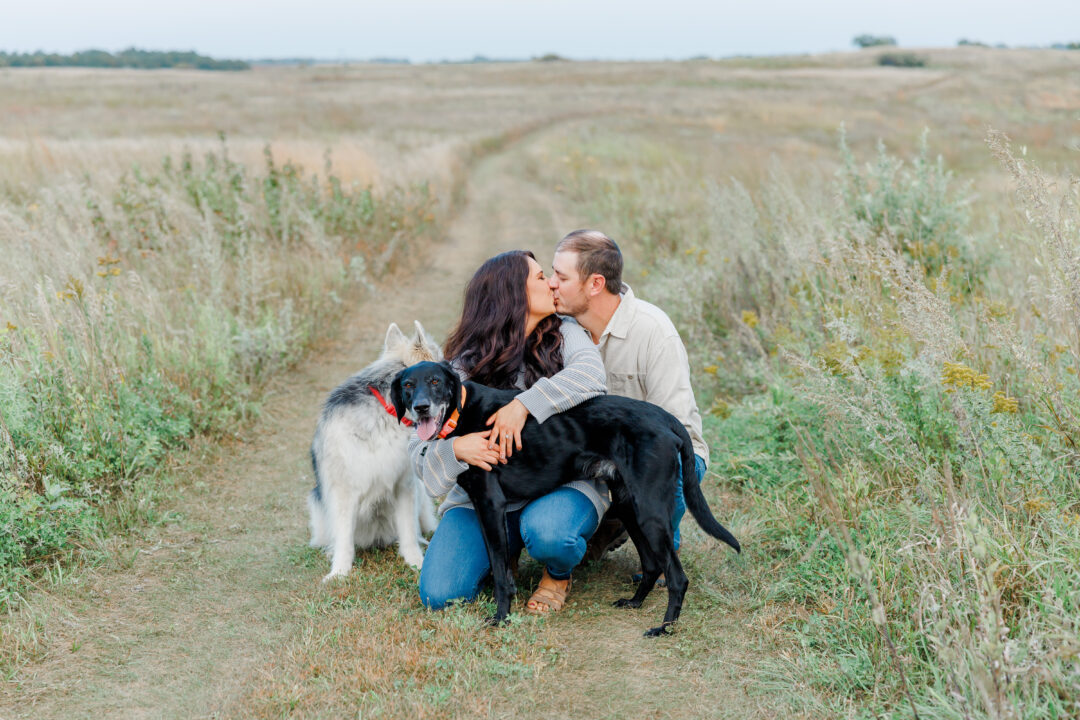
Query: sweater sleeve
[435, 464]
[581, 378]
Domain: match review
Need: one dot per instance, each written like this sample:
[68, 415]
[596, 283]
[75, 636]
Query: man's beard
[563, 308]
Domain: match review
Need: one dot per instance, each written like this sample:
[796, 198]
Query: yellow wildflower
[960, 375]
[720, 408]
[1005, 404]
[750, 318]
[1036, 505]
[711, 369]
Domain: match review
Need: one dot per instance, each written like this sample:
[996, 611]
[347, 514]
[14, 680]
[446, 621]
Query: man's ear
[395, 395]
[597, 283]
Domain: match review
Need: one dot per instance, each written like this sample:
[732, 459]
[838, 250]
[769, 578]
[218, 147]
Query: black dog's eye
[408, 384]
[434, 382]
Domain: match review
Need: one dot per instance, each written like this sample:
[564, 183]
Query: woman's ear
[395, 395]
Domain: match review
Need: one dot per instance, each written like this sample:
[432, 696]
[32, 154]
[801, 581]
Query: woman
[510, 337]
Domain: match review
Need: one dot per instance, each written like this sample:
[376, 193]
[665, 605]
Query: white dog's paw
[416, 561]
[334, 575]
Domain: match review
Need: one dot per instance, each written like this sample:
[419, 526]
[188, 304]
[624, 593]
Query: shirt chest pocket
[627, 384]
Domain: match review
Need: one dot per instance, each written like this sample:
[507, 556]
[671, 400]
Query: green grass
[899, 431]
[156, 310]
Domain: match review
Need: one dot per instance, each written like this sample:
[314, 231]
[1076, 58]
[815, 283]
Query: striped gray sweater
[581, 378]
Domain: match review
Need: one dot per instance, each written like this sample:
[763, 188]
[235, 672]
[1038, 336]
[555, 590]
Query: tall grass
[136, 314]
[895, 395]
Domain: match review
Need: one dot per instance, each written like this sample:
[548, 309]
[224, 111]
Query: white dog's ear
[421, 336]
[425, 343]
[394, 337]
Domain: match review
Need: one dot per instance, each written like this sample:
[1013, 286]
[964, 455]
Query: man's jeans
[680, 501]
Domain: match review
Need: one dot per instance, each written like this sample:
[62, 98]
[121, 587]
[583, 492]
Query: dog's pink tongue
[426, 429]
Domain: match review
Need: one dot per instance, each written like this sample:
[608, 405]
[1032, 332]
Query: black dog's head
[426, 393]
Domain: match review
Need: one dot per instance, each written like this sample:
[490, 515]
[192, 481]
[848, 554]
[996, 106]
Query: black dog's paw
[658, 631]
[496, 621]
[627, 602]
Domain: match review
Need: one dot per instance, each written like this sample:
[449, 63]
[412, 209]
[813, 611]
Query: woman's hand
[506, 428]
[474, 450]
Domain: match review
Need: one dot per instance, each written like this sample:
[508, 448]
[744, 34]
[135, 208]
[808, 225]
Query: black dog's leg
[491, 512]
[650, 562]
[677, 583]
[655, 543]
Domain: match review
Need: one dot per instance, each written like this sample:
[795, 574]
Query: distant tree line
[130, 58]
[865, 41]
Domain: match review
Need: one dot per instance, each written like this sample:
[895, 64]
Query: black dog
[631, 444]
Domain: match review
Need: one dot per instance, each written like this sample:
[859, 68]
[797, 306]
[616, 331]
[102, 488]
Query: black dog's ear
[395, 395]
[453, 382]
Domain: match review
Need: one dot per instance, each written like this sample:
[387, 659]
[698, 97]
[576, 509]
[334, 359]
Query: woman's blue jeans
[554, 529]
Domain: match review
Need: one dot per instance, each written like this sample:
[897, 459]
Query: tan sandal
[550, 596]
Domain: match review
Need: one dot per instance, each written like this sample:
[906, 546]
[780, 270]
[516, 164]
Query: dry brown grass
[653, 131]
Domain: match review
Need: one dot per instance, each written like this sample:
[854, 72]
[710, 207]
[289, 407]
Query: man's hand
[506, 428]
[474, 450]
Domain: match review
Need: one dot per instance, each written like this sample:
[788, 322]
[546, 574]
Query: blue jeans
[554, 529]
[680, 501]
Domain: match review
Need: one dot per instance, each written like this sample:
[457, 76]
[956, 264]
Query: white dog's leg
[426, 508]
[405, 522]
[343, 525]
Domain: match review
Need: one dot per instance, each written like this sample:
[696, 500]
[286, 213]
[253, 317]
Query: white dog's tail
[320, 536]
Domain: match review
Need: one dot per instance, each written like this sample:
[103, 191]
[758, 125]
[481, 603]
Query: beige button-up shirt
[645, 359]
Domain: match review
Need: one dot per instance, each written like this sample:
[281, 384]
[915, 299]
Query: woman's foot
[550, 596]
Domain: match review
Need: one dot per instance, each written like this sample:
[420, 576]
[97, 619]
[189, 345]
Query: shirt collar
[623, 317]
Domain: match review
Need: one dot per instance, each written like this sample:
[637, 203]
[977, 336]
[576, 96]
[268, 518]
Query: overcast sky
[426, 30]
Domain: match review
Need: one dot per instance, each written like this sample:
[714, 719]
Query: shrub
[866, 40]
[901, 60]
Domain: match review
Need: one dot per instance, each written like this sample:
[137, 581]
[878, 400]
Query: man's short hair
[597, 254]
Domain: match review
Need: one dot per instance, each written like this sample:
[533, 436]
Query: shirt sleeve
[581, 378]
[435, 464]
[668, 385]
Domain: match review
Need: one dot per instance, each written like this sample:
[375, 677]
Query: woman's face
[541, 299]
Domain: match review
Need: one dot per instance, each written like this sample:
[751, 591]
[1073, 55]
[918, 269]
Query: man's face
[569, 287]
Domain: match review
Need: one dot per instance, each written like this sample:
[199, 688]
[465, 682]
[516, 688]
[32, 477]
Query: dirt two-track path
[185, 616]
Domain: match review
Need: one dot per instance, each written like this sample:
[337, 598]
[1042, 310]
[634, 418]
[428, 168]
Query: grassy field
[875, 270]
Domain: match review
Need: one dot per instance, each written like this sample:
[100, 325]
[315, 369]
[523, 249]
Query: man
[644, 357]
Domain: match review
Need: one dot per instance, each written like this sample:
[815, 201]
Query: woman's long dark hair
[489, 342]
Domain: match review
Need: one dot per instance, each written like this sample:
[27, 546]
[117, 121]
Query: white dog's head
[420, 347]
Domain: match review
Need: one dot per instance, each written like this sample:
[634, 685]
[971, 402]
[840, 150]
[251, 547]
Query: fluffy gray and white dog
[366, 493]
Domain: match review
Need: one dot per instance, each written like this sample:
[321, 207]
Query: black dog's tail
[695, 500]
